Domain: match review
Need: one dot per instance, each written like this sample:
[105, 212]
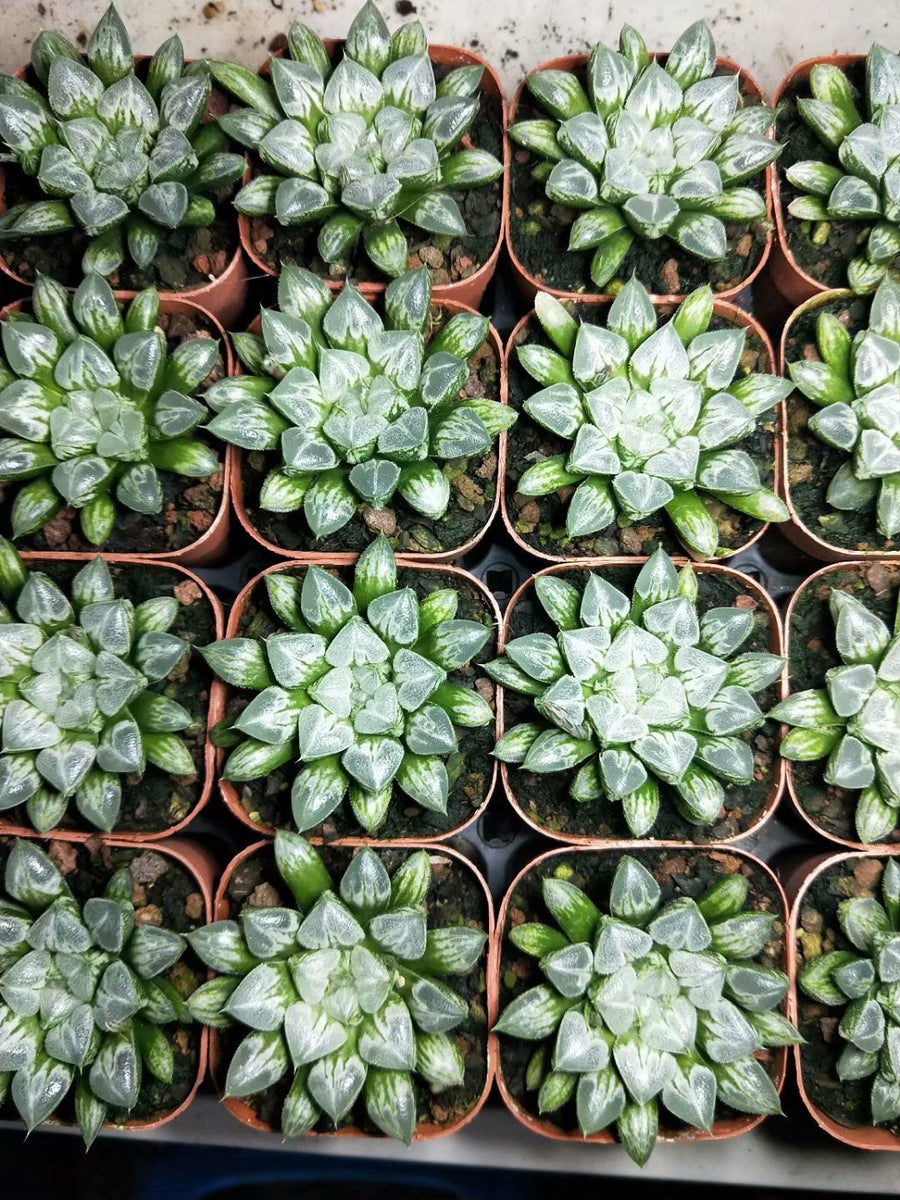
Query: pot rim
[338, 557]
[797, 531]
[425, 1131]
[798, 74]
[883, 849]
[864, 1137]
[732, 1127]
[776, 646]
[722, 307]
[529, 284]
[473, 285]
[215, 711]
[228, 791]
[205, 547]
[201, 865]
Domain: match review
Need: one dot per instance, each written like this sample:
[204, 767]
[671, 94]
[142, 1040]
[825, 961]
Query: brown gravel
[264, 896]
[381, 520]
[488, 468]
[670, 277]
[150, 914]
[867, 873]
[188, 592]
[65, 855]
[148, 867]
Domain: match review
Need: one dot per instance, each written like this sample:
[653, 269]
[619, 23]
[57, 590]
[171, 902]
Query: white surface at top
[766, 37]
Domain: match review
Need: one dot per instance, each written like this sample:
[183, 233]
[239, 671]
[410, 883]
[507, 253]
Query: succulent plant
[648, 1004]
[863, 982]
[360, 148]
[96, 407]
[84, 999]
[82, 693]
[641, 694]
[359, 690]
[359, 406]
[124, 160]
[345, 993]
[653, 412]
[854, 721]
[858, 176]
[650, 150]
[856, 386]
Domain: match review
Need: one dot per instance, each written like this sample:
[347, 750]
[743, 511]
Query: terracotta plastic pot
[124, 837]
[814, 581]
[795, 284]
[243, 1112]
[212, 544]
[230, 793]
[202, 866]
[666, 305]
[507, 772]
[465, 291]
[442, 556]
[529, 284]
[795, 530]
[867, 1137]
[730, 1127]
[224, 295]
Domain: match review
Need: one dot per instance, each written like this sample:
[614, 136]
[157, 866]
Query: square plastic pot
[529, 284]
[797, 884]
[225, 294]
[824, 577]
[242, 1111]
[238, 495]
[789, 278]
[665, 306]
[201, 865]
[542, 1125]
[797, 530]
[212, 544]
[508, 772]
[467, 291]
[228, 790]
[215, 708]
